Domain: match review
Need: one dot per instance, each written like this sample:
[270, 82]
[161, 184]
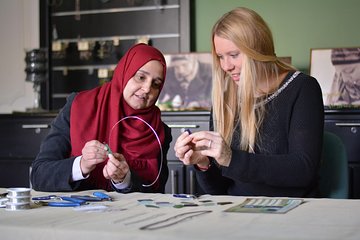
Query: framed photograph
[338, 73]
[188, 82]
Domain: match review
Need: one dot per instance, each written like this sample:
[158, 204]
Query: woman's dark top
[287, 157]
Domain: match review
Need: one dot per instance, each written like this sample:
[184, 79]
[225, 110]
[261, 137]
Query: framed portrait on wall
[188, 82]
[338, 73]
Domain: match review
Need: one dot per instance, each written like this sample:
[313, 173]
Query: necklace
[275, 94]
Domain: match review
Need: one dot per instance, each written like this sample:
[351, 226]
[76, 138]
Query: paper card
[266, 205]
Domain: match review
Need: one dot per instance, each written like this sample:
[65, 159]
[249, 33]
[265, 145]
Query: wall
[19, 27]
[297, 25]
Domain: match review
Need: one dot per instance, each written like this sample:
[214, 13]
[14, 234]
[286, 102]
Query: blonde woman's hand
[93, 153]
[185, 150]
[212, 144]
[116, 168]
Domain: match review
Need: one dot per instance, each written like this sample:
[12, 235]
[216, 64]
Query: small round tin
[18, 192]
[22, 199]
[17, 206]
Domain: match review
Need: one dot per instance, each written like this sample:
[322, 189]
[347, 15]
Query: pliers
[97, 196]
[64, 201]
[103, 196]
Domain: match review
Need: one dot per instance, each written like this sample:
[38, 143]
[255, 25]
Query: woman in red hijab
[121, 113]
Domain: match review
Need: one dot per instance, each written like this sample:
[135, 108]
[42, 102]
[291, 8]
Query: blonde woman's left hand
[212, 144]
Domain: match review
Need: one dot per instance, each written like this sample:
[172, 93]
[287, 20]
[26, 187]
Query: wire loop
[157, 138]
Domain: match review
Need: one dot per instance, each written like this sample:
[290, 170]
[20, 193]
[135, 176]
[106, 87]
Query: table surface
[125, 216]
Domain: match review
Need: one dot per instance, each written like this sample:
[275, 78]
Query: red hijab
[95, 114]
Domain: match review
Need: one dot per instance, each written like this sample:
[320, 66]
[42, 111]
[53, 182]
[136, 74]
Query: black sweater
[287, 157]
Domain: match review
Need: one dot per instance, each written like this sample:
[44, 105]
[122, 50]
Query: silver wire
[174, 220]
[157, 138]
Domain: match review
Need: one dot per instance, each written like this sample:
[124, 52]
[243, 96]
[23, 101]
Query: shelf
[119, 38]
[84, 67]
[60, 95]
[114, 10]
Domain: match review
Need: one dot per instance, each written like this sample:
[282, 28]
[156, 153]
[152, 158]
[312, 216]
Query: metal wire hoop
[157, 138]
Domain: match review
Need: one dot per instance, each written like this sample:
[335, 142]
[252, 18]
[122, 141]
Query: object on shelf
[104, 75]
[36, 72]
[85, 49]
[143, 39]
[58, 49]
[104, 49]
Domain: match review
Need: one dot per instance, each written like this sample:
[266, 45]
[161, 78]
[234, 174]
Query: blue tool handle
[44, 198]
[63, 204]
[73, 200]
[87, 198]
[102, 195]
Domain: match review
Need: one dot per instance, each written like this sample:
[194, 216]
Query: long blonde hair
[238, 104]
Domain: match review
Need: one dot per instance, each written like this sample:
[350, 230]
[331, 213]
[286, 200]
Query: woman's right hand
[185, 150]
[93, 153]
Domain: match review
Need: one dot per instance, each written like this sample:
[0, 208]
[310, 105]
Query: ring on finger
[209, 145]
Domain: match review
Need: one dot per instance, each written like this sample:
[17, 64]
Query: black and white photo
[188, 82]
[338, 72]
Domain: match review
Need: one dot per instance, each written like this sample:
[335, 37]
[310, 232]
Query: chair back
[334, 177]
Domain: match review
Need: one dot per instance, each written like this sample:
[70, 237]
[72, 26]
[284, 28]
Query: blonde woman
[267, 118]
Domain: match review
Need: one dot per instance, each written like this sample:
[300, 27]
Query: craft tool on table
[103, 196]
[88, 198]
[58, 201]
[190, 196]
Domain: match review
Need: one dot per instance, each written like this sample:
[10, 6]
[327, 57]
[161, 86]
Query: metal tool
[87, 198]
[49, 197]
[184, 196]
[64, 201]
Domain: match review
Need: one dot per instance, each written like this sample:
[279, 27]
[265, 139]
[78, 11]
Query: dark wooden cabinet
[346, 125]
[177, 177]
[20, 139]
[182, 178]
